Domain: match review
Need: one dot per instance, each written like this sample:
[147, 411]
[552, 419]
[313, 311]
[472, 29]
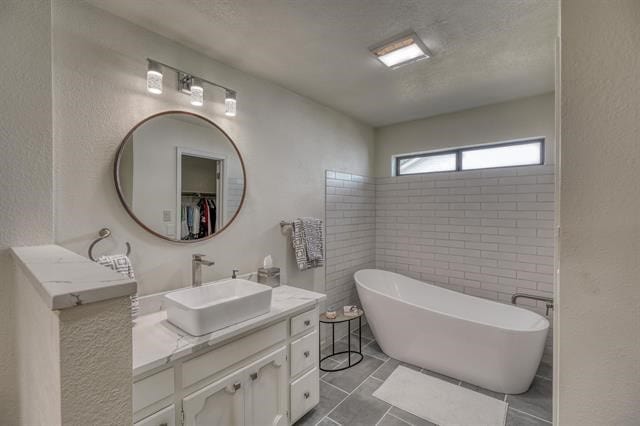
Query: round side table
[341, 318]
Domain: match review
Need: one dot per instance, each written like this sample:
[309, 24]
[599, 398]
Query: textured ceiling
[485, 51]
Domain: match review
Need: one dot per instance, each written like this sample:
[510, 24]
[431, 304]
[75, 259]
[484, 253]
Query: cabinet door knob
[254, 376]
[307, 395]
[307, 322]
[233, 388]
[306, 354]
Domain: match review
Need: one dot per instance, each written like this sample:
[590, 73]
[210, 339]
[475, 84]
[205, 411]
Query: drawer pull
[254, 376]
[163, 424]
[233, 388]
[307, 323]
[306, 354]
[307, 395]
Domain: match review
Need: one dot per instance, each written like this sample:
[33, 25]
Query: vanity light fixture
[154, 77]
[401, 50]
[197, 92]
[230, 103]
[187, 84]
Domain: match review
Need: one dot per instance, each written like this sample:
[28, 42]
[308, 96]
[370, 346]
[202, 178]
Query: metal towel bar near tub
[102, 234]
[547, 300]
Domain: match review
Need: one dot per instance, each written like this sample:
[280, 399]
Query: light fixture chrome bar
[184, 73]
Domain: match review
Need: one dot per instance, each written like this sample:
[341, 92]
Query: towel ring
[285, 226]
[102, 234]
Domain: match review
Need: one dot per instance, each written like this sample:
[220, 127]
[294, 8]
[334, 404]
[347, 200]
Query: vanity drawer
[166, 417]
[303, 322]
[304, 353]
[217, 360]
[152, 389]
[305, 394]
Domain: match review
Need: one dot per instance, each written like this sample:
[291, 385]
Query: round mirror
[180, 176]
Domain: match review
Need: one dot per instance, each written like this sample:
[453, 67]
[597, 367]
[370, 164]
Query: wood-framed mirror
[180, 176]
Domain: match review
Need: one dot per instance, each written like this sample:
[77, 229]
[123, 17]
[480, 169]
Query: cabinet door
[267, 390]
[165, 417]
[220, 404]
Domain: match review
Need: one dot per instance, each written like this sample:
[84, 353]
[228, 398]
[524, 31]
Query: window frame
[458, 152]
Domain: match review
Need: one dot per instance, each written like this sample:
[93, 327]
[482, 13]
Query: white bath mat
[440, 402]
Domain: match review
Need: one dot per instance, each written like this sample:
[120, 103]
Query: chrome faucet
[197, 260]
[234, 273]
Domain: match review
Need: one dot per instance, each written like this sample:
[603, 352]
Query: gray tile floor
[346, 396]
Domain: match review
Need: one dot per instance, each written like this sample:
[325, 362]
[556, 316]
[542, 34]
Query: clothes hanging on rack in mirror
[198, 215]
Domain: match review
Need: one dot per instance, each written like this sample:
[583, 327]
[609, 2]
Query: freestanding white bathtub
[489, 344]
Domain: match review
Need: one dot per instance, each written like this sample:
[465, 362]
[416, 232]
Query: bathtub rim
[502, 328]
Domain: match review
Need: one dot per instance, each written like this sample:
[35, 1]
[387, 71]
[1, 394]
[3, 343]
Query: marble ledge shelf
[65, 279]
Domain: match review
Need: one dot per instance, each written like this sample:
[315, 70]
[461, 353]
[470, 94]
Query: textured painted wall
[287, 141]
[95, 373]
[26, 183]
[38, 357]
[599, 291]
[517, 119]
[74, 365]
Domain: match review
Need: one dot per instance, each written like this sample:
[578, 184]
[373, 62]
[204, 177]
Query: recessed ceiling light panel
[401, 50]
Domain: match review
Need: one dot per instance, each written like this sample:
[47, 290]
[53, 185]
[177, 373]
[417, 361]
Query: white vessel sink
[210, 307]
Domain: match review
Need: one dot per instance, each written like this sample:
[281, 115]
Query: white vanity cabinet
[267, 377]
[165, 417]
[255, 395]
[219, 404]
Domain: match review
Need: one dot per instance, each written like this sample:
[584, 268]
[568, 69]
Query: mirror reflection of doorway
[200, 194]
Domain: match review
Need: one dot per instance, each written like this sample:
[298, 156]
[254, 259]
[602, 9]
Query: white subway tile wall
[488, 233]
[234, 195]
[350, 234]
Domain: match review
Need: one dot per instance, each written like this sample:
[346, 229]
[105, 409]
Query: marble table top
[158, 343]
[65, 279]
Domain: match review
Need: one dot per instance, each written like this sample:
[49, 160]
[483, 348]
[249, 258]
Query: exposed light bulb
[154, 78]
[197, 92]
[230, 103]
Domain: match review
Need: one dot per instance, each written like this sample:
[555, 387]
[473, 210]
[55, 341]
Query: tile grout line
[327, 418]
[529, 414]
[379, 359]
[402, 420]
[384, 415]
[337, 405]
[544, 378]
[334, 386]
[356, 388]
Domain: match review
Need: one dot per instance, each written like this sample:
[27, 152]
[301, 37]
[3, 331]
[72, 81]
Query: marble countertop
[157, 343]
[65, 279]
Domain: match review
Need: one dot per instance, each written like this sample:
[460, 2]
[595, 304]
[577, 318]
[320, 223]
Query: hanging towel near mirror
[122, 264]
[307, 242]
